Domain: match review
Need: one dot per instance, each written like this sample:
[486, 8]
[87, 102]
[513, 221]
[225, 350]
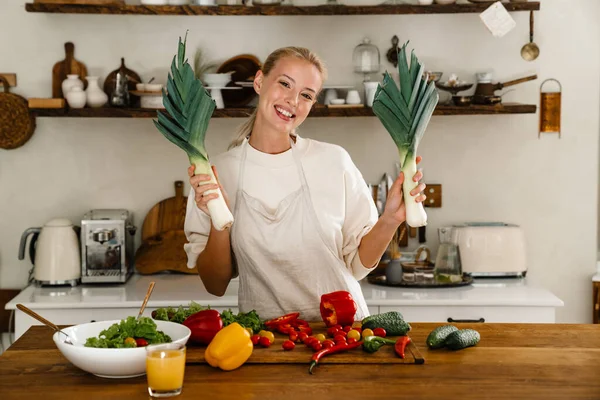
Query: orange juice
[165, 369]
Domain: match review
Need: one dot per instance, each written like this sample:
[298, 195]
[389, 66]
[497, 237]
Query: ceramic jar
[95, 96]
[71, 82]
[76, 97]
[370, 89]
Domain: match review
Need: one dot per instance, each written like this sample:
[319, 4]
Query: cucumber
[462, 339]
[437, 337]
[392, 321]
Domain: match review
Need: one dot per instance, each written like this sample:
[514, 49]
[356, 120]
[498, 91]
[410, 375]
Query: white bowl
[216, 80]
[111, 363]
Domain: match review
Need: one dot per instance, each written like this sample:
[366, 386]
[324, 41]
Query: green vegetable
[405, 113]
[189, 108]
[247, 320]
[177, 315]
[437, 337]
[373, 343]
[392, 321]
[116, 334]
[462, 339]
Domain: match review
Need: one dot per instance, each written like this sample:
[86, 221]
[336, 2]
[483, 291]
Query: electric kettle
[54, 252]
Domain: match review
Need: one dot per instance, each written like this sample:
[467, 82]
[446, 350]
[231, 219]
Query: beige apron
[283, 261]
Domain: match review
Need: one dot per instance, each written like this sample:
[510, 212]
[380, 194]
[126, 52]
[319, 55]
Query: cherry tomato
[332, 331]
[310, 340]
[267, 334]
[288, 345]
[339, 338]
[347, 328]
[352, 340]
[316, 345]
[293, 336]
[320, 337]
[328, 343]
[379, 332]
[255, 339]
[141, 342]
[302, 337]
[339, 342]
[338, 326]
[130, 342]
[353, 334]
[366, 333]
[264, 341]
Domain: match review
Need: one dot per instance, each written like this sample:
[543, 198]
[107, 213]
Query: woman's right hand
[198, 183]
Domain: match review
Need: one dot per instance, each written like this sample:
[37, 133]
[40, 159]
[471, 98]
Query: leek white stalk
[405, 113]
[188, 109]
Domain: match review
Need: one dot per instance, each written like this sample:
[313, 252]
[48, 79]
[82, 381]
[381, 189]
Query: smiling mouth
[284, 114]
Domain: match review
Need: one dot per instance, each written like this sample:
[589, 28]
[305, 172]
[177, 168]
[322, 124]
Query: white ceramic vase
[95, 96]
[76, 97]
[370, 89]
[71, 82]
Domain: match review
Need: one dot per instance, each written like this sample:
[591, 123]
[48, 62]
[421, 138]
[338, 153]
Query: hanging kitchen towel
[497, 20]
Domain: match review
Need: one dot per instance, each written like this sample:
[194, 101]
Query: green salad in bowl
[127, 333]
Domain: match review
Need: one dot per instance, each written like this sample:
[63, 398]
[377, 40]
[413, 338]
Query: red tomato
[347, 328]
[328, 343]
[264, 341]
[316, 345]
[351, 340]
[339, 338]
[255, 339]
[141, 342]
[332, 331]
[310, 340]
[379, 332]
[293, 336]
[338, 326]
[288, 345]
[302, 337]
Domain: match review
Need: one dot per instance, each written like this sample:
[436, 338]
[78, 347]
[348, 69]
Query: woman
[305, 221]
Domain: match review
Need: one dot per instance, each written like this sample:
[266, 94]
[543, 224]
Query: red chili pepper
[204, 326]
[338, 308]
[284, 319]
[400, 345]
[331, 350]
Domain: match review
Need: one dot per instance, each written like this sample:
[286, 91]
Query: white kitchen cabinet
[494, 301]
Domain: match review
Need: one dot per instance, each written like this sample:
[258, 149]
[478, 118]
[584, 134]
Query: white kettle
[54, 252]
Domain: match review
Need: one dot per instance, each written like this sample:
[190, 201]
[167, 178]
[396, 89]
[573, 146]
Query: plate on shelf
[381, 280]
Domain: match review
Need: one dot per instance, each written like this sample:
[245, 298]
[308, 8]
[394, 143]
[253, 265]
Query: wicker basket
[16, 123]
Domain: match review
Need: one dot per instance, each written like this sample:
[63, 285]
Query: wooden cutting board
[302, 354]
[65, 67]
[163, 237]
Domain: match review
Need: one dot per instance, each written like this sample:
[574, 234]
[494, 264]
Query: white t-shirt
[341, 197]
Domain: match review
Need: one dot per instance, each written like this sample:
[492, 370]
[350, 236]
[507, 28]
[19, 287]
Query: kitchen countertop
[512, 361]
[180, 289]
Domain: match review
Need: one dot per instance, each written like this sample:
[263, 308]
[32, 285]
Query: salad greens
[247, 320]
[177, 315]
[115, 336]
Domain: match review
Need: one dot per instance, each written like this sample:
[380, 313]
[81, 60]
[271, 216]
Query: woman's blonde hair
[301, 53]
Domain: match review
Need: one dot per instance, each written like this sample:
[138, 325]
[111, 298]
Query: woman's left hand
[395, 209]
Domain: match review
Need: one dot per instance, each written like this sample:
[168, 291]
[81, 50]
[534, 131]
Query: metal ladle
[530, 51]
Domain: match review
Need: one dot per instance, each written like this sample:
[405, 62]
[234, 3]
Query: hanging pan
[16, 123]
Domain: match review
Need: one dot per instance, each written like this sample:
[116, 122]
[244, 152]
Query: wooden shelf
[108, 112]
[273, 10]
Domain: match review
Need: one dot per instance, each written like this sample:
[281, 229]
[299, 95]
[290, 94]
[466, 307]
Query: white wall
[492, 168]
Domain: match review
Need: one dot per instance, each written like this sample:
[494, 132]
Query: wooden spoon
[44, 321]
[530, 51]
[150, 289]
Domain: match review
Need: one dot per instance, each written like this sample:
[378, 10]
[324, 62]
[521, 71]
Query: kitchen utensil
[16, 123]
[119, 83]
[447, 261]
[163, 237]
[54, 252]
[44, 321]
[112, 363]
[453, 89]
[243, 67]
[462, 100]
[550, 105]
[148, 293]
[489, 89]
[530, 51]
[107, 246]
[68, 66]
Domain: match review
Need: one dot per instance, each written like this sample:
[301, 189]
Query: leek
[188, 108]
[405, 113]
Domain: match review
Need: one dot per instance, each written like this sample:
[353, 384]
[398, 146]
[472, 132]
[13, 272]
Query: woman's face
[287, 94]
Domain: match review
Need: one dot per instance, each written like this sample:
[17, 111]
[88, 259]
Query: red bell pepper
[338, 308]
[204, 326]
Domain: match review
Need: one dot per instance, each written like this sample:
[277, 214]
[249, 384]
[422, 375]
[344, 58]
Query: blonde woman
[305, 221]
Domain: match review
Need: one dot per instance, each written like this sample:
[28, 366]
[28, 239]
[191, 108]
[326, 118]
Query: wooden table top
[512, 361]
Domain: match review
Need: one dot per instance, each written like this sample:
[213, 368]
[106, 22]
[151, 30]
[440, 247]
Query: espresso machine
[107, 253]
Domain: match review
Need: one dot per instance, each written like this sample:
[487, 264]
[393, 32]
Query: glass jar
[366, 59]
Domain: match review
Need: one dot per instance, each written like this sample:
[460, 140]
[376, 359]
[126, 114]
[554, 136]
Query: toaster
[491, 249]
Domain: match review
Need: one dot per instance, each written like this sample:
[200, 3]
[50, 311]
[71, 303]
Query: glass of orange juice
[165, 367]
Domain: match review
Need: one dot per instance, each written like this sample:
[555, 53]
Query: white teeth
[282, 111]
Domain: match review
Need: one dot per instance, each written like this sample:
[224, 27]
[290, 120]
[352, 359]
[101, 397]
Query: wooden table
[512, 361]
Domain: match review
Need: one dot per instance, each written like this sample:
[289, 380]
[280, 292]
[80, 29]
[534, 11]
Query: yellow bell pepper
[230, 348]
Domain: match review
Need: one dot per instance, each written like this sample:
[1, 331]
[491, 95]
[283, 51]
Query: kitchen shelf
[108, 112]
[274, 10]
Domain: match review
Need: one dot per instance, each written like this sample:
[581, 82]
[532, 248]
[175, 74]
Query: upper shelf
[110, 112]
[273, 10]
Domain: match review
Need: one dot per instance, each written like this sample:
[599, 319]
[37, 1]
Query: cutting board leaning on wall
[163, 237]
